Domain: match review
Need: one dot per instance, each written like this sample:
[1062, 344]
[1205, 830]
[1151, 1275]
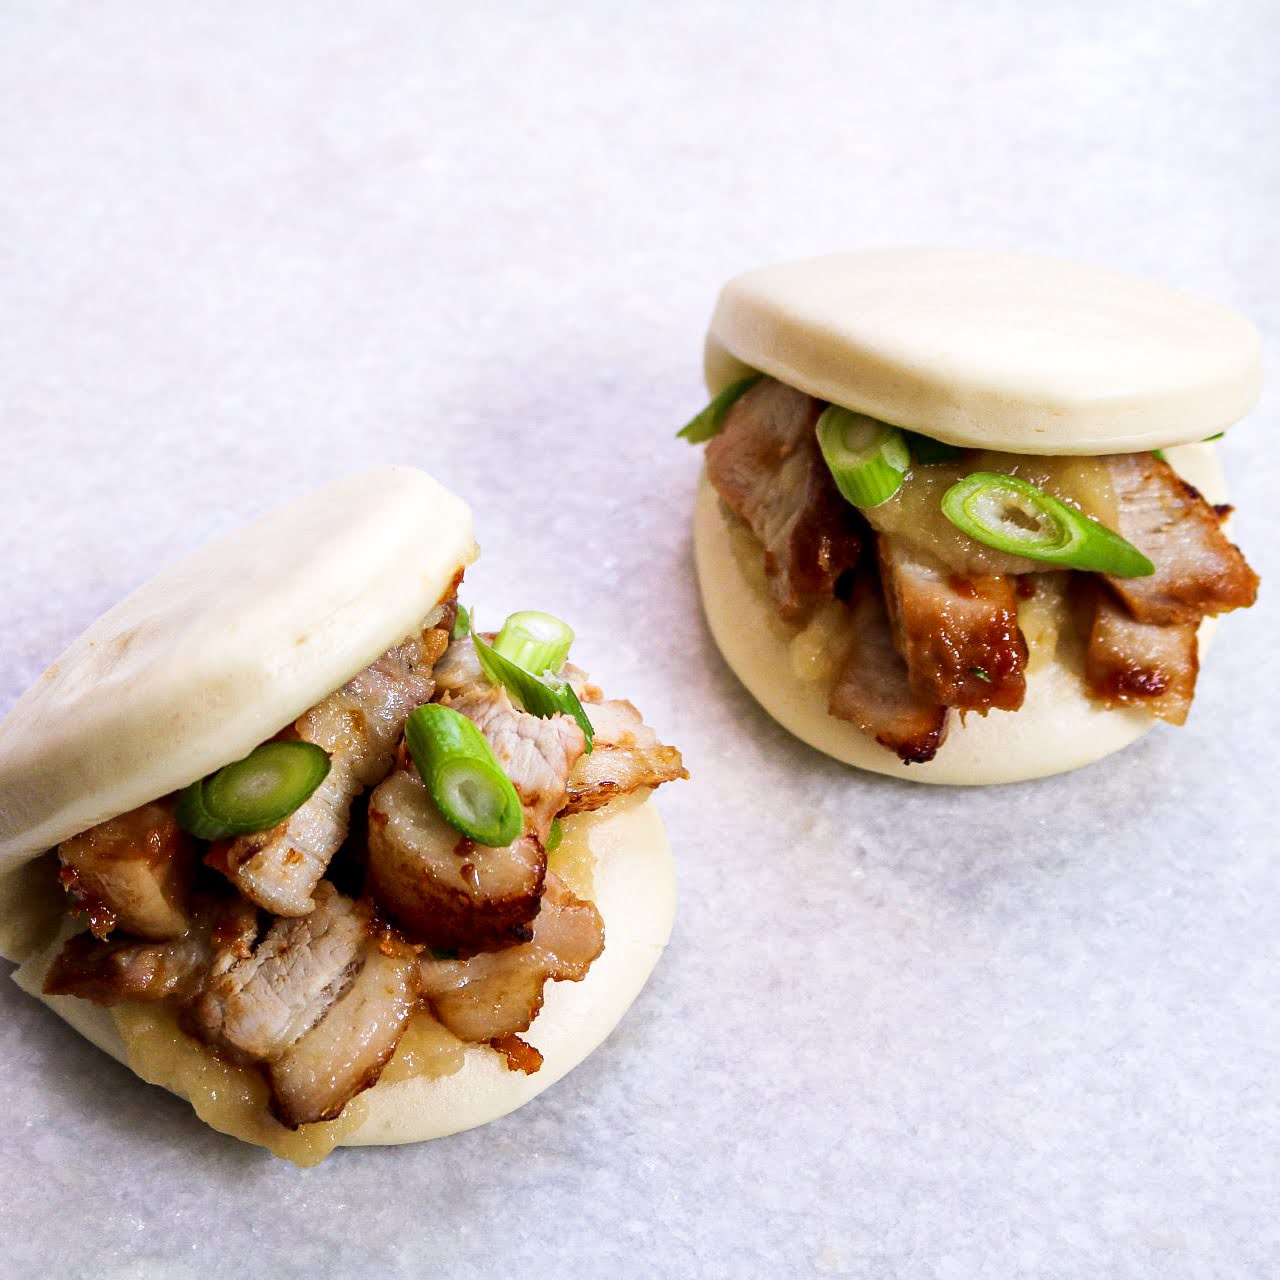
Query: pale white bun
[992, 350]
[634, 890]
[221, 650]
[1058, 728]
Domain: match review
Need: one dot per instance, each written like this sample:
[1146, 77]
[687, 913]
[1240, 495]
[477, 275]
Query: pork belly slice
[958, 636]
[359, 726]
[767, 468]
[1140, 664]
[345, 1052]
[134, 871]
[497, 994]
[627, 757]
[872, 690]
[256, 1006]
[440, 887]
[537, 754]
[124, 968]
[1198, 571]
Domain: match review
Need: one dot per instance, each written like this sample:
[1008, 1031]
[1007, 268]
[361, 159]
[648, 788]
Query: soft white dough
[221, 650]
[1057, 729]
[992, 350]
[634, 890]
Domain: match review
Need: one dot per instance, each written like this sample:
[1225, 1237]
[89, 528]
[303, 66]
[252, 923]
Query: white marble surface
[899, 1032]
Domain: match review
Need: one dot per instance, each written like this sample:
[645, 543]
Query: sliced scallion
[709, 422]
[255, 793]
[466, 781]
[866, 458]
[535, 641]
[461, 625]
[540, 696]
[1009, 514]
[927, 451]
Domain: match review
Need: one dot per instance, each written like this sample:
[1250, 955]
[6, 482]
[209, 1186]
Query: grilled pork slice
[958, 636]
[872, 690]
[359, 726]
[345, 1052]
[133, 872]
[767, 468]
[1140, 664]
[257, 1005]
[124, 968]
[1198, 571]
[627, 757]
[498, 993]
[440, 887]
[536, 754]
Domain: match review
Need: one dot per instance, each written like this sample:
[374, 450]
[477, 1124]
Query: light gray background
[245, 247]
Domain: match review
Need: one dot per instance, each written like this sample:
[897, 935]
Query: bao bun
[212, 657]
[981, 350]
[992, 350]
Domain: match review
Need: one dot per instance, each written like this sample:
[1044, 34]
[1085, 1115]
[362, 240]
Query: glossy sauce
[229, 1098]
[426, 1049]
[574, 860]
[914, 513]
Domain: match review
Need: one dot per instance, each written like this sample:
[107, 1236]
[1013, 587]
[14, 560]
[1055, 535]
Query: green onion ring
[1009, 514]
[255, 793]
[867, 458]
[466, 781]
[536, 642]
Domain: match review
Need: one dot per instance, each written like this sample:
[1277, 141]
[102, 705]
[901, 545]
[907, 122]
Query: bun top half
[219, 651]
[992, 350]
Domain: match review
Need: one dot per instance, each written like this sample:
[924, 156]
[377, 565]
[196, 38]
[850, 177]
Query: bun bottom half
[1058, 728]
[634, 890]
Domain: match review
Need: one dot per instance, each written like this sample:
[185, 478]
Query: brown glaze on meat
[125, 968]
[359, 726]
[133, 872]
[256, 1006]
[1140, 664]
[1198, 571]
[499, 993]
[520, 1055]
[439, 887]
[345, 1052]
[872, 689]
[958, 636]
[627, 757]
[767, 468]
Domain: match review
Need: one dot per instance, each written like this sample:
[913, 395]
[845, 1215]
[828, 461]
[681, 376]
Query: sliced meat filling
[254, 1007]
[958, 636]
[345, 1052]
[359, 726]
[536, 754]
[872, 689]
[124, 968]
[767, 468]
[498, 993]
[1198, 571]
[627, 757]
[440, 887]
[1140, 664]
[133, 872]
